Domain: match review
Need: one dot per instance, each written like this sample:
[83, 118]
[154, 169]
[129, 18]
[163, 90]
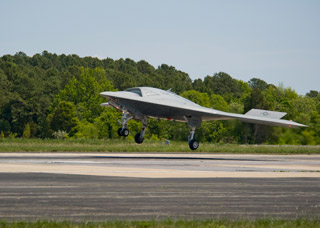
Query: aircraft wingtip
[296, 125]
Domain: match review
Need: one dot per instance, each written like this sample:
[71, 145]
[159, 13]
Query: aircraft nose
[105, 93]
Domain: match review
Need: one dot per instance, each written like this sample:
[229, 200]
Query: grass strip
[264, 223]
[122, 145]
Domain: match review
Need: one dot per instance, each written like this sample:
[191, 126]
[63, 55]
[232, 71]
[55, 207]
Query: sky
[277, 41]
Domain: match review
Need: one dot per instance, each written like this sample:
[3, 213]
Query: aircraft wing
[180, 111]
[256, 116]
[259, 116]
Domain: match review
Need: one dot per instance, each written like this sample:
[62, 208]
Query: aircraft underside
[141, 111]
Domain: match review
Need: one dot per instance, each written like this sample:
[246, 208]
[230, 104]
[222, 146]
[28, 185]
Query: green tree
[255, 100]
[5, 127]
[31, 89]
[107, 124]
[5, 87]
[256, 83]
[312, 93]
[224, 85]
[177, 80]
[83, 90]
[217, 102]
[27, 131]
[145, 68]
[255, 132]
[198, 85]
[86, 130]
[64, 117]
[197, 97]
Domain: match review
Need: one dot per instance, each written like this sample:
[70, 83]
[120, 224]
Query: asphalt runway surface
[100, 187]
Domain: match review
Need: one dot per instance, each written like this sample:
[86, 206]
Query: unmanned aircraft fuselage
[143, 102]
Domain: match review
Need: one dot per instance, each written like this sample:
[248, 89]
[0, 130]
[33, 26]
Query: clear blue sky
[275, 40]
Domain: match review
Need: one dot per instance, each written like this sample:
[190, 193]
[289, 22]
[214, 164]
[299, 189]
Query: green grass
[122, 145]
[170, 223]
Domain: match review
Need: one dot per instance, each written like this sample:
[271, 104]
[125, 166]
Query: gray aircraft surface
[143, 102]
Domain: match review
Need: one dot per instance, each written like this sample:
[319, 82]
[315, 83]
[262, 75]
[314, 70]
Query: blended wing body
[158, 103]
[143, 102]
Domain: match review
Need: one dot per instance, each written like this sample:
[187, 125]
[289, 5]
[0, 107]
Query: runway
[113, 186]
[165, 165]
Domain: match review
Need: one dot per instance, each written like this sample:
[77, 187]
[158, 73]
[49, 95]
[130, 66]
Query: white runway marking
[154, 165]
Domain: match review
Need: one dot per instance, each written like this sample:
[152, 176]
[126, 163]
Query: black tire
[120, 132]
[193, 144]
[125, 132]
[137, 138]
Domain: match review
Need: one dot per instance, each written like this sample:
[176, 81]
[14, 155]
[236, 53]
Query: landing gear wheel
[137, 138]
[120, 132]
[125, 132]
[193, 144]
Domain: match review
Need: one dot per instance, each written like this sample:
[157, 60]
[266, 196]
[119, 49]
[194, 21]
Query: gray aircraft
[143, 102]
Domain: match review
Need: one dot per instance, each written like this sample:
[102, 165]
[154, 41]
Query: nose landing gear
[124, 131]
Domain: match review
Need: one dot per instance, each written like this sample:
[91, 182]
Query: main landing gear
[139, 137]
[193, 123]
[193, 143]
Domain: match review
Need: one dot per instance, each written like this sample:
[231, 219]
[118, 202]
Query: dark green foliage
[64, 117]
[197, 97]
[178, 81]
[83, 90]
[256, 83]
[224, 85]
[254, 133]
[255, 100]
[46, 93]
[29, 86]
[5, 127]
[312, 93]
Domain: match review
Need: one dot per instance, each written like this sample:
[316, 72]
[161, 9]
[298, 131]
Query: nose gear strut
[124, 131]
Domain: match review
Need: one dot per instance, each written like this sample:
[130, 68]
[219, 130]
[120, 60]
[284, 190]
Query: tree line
[57, 96]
